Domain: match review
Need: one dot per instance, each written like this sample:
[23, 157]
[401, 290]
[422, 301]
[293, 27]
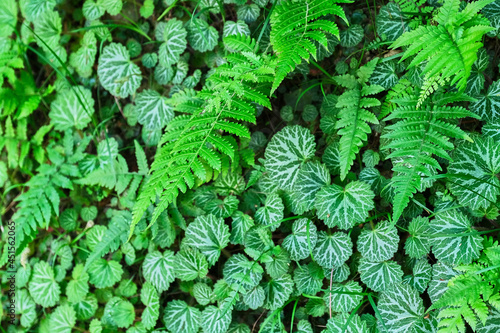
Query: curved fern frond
[354, 115]
[193, 145]
[450, 48]
[295, 29]
[415, 138]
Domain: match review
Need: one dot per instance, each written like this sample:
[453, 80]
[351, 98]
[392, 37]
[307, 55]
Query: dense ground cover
[250, 166]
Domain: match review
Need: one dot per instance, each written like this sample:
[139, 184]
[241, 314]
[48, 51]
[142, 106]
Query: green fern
[37, 205]
[470, 294]
[294, 31]
[354, 115]
[193, 145]
[416, 137]
[449, 48]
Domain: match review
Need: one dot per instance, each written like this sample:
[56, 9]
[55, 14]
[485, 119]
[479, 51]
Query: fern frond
[448, 49]
[294, 30]
[416, 137]
[193, 146]
[354, 115]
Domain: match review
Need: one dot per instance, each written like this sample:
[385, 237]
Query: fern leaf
[294, 29]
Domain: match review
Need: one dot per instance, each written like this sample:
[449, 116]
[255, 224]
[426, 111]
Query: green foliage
[250, 166]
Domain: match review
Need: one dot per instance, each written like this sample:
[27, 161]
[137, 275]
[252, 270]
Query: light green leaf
[304, 326]
[121, 312]
[215, 320]
[158, 268]
[150, 298]
[338, 274]
[332, 250]
[105, 273]
[286, 152]
[48, 28]
[271, 213]
[84, 58]
[391, 22]
[401, 309]
[179, 317]
[95, 326]
[277, 292]
[487, 106]
[43, 287]
[93, 10]
[153, 110]
[302, 240]
[208, 234]
[222, 208]
[379, 244]
[310, 179]
[279, 263]
[346, 324]
[86, 308]
[78, 287]
[243, 272]
[418, 245]
[174, 36]
[26, 307]
[63, 319]
[476, 166]
[113, 7]
[36, 8]
[72, 108]
[379, 276]
[8, 17]
[254, 299]
[201, 36]
[344, 207]
[190, 264]
[117, 73]
[343, 297]
[448, 245]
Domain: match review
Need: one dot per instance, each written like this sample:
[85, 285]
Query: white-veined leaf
[441, 275]
[476, 166]
[150, 298]
[179, 317]
[190, 264]
[308, 279]
[239, 226]
[343, 297]
[238, 328]
[72, 108]
[286, 152]
[344, 207]
[271, 213]
[310, 179]
[391, 22]
[201, 36]
[153, 110]
[487, 106]
[331, 158]
[26, 307]
[43, 287]
[492, 324]
[254, 299]
[202, 293]
[401, 310]
[384, 74]
[278, 264]
[277, 292]
[248, 13]
[208, 234]
[78, 287]
[302, 240]
[422, 272]
[449, 244]
[174, 37]
[345, 323]
[379, 276]
[352, 36]
[332, 250]
[63, 319]
[238, 28]
[215, 320]
[117, 73]
[243, 272]
[418, 245]
[105, 273]
[158, 268]
[379, 244]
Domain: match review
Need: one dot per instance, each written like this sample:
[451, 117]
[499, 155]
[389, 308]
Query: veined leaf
[179, 317]
[332, 250]
[43, 287]
[302, 240]
[153, 110]
[379, 276]
[174, 37]
[158, 268]
[379, 244]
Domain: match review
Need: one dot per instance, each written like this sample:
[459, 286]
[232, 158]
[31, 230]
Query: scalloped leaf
[332, 250]
[104, 273]
[302, 240]
[344, 207]
[72, 108]
[285, 154]
[158, 268]
[215, 320]
[343, 297]
[63, 319]
[151, 299]
[153, 110]
[379, 276]
[190, 264]
[201, 36]
[310, 179]
[379, 244]
[277, 292]
[117, 73]
[43, 287]
[418, 245]
[487, 106]
[179, 317]
[271, 213]
[208, 234]
[174, 37]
